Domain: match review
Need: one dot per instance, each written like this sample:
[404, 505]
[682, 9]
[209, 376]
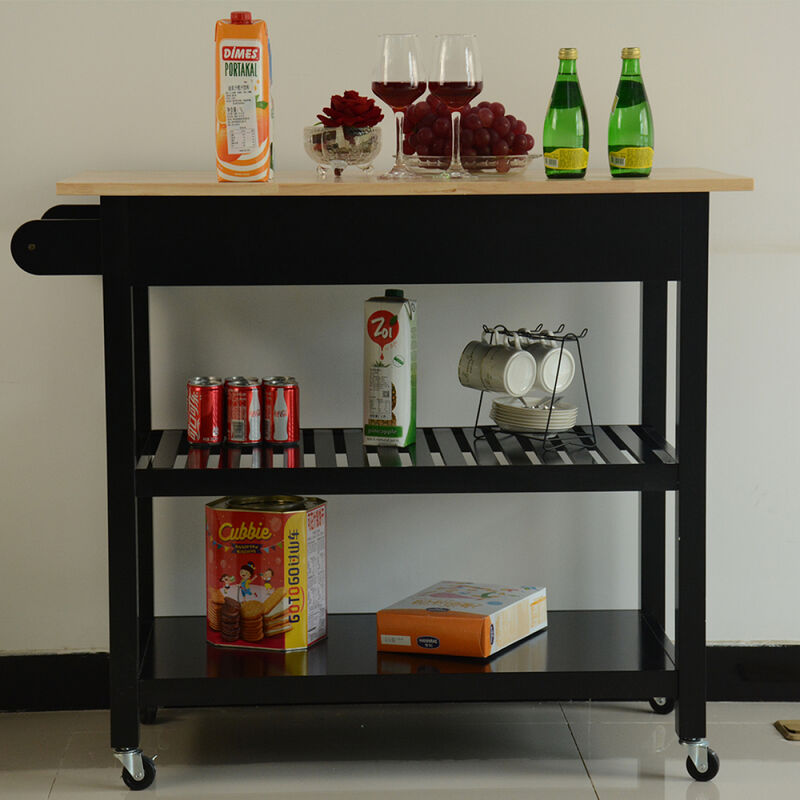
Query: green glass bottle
[565, 140]
[630, 128]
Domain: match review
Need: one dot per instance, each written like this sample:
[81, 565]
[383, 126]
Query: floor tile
[373, 752]
[381, 752]
[631, 752]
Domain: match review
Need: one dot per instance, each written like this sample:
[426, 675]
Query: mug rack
[539, 333]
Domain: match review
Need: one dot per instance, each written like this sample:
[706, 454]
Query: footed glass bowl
[480, 165]
[335, 149]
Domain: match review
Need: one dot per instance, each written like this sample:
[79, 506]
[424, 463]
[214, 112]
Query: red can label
[244, 411]
[204, 410]
[281, 411]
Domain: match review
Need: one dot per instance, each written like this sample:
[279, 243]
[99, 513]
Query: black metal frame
[136, 242]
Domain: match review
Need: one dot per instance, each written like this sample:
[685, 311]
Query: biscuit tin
[462, 619]
[266, 572]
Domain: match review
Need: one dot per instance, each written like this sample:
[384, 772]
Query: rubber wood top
[352, 183]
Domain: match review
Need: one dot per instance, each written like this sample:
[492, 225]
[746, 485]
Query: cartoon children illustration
[247, 573]
[267, 577]
[228, 580]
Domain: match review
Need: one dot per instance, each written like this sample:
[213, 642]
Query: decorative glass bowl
[480, 165]
[334, 149]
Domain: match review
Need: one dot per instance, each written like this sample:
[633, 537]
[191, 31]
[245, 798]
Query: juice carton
[390, 369]
[242, 99]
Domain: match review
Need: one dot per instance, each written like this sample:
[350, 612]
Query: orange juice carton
[265, 572]
[242, 99]
[462, 619]
[390, 369]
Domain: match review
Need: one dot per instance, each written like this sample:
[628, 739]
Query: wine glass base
[455, 175]
[399, 173]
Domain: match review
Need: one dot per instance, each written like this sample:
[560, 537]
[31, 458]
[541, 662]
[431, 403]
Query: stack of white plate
[530, 416]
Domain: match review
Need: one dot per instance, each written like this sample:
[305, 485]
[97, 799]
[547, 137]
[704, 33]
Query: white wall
[127, 85]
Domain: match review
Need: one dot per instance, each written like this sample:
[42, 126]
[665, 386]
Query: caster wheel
[149, 776]
[710, 773]
[148, 714]
[662, 705]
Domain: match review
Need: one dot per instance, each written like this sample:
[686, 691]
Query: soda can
[204, 406]
[281, 410]
[291, 456]
[243, 406]
[197, 458]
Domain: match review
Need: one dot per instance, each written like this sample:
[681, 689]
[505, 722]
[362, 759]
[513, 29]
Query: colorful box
[462, 619]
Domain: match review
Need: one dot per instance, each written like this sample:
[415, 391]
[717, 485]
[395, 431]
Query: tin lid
[280, 380]
[276, 502]
[238, 380]
[631, 52]
[205, 380]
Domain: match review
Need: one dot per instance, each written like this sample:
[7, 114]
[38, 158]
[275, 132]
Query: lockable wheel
[711, 771]
[662, 705]
[149, 775]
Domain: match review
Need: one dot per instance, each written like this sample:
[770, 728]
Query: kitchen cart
[157, 229]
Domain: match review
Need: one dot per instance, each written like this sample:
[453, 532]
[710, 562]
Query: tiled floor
[535, 751]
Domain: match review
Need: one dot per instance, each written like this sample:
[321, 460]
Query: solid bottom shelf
[582, 655]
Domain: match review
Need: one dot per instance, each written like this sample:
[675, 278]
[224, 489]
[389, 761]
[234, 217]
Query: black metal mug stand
[566, 440]
[136, 241]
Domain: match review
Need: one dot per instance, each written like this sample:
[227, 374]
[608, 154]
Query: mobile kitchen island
[158, 229]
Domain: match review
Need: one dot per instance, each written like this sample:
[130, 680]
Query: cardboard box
[462, 619]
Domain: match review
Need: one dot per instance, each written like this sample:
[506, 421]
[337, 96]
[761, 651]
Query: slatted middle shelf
[335, 461]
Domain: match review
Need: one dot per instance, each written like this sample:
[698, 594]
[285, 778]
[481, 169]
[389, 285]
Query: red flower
[351, 111]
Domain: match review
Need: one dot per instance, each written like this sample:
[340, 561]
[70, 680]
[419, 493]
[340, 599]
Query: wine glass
[397, 80]
[456, 79]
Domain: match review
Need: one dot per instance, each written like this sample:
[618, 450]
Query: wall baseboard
[754, 673]
[57, 682]
[80, 680]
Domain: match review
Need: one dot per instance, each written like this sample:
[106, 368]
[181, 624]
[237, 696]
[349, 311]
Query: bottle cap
[394, 293]
[241, 17]
[630, 52]
[568, 53]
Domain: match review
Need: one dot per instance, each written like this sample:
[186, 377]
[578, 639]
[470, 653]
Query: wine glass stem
[455, 159]
[398, 158]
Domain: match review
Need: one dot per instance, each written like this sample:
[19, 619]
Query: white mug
[469, 365]
[509, 369]
[547, 354]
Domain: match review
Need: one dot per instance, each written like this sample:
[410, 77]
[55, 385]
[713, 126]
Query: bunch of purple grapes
[486, 130]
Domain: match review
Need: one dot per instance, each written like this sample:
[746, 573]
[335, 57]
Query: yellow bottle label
[631, 158]
[567, 158]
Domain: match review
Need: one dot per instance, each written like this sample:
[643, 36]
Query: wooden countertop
[533, 181]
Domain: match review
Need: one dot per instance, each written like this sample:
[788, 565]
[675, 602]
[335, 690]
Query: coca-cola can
[291, 457]
[197, 458]
[204, 406]
[281, 410]
[243, 407]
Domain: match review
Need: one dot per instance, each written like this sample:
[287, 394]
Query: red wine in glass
[398, 95]
[455, 94]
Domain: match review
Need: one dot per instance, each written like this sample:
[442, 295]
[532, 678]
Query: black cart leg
[690, 512]
[652, 505]
[120, 456]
